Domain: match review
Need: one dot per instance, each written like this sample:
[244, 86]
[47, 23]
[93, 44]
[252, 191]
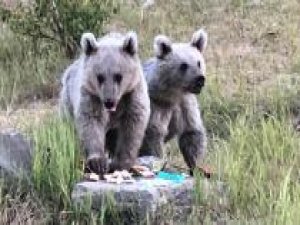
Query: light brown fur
[110, 113]
[174, 77]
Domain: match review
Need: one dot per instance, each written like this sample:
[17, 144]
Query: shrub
[60, 21]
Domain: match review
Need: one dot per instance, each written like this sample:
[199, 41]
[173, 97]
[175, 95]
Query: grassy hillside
[249, 106]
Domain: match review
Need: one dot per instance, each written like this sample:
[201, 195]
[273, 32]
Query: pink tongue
[112, 109]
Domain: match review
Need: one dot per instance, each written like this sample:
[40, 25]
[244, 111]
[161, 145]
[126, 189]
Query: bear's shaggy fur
[174, 76]
[105, 92]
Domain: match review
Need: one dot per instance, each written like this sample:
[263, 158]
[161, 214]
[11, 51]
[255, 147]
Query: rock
[155, 199]
[15, 154]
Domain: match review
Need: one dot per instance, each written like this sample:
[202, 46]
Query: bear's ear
[88, 43]
[162, 46]
[130, 44]
[199, 40]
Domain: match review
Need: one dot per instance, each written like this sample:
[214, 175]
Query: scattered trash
[142, 171]
[91, 176]
[119, 177]
[174, 177]
[154, 175]
[206, 171]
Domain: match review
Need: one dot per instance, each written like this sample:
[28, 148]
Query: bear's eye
[100, 78]
[199, 64]
[183, 67]
[118, 78]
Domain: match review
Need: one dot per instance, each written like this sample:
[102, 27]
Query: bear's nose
[109, 104]
[200, 80]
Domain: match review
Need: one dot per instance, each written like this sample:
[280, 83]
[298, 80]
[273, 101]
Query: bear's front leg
[153, 142]
[192, 138]
[156, 132]
[131, 132]
[92, 136]
[192, 147]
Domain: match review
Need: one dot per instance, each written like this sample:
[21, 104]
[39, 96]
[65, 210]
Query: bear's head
[111, 66]
[181, 65]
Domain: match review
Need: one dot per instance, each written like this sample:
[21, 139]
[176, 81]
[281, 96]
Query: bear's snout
[196, 84]
[110, 104]
[199, 81]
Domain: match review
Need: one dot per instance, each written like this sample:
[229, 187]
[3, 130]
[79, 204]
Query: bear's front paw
[120, 165]
[96, 164]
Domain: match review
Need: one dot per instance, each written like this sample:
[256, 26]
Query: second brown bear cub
[174, 76]
[105, 93]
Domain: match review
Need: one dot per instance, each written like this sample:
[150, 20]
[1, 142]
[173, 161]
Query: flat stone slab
[153, 199]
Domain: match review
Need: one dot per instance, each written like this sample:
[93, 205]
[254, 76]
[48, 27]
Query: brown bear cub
[175, 76]
[105, 93]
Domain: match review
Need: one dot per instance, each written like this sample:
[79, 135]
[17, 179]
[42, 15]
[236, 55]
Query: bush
[60, 21]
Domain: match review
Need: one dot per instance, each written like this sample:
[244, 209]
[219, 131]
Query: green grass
[260, 164]
[57, 166]
[249, 104]
[56, 163]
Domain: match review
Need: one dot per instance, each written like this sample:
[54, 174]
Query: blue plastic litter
[174, 177]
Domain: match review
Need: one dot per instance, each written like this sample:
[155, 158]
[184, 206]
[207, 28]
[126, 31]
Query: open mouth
[110, 105]
[111, 109]
[196, 86]
[195, 89]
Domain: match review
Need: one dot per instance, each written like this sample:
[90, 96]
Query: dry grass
[26, 115]
[21, 210]
[249, 45]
